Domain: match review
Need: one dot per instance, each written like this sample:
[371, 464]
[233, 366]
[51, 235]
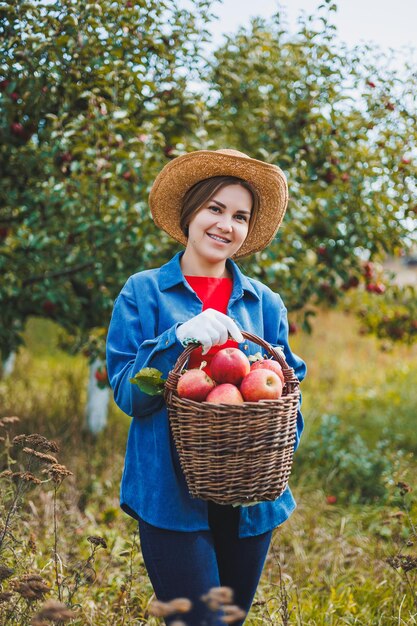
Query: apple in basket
[229, 365]
[226, 393]
[195, 384]
[269, 364]
[261, 384]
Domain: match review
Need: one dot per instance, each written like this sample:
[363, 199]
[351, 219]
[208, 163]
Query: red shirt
[214, 293]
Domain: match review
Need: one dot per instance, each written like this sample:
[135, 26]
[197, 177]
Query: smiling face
[217, 231]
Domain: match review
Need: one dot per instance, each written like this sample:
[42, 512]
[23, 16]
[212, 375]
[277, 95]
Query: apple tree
[93, 100]
[342, 124]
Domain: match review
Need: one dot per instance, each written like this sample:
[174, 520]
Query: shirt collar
[171, 275]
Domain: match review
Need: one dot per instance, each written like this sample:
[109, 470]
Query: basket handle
[291, 381]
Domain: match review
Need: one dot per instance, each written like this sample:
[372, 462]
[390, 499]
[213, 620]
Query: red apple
[329, 176]
[168, 150]
[17, 129]
[66, 157]
[101, 375]
[49, 307]
[326, 287]
[261, 384]
[4, 231]
[225, 394]
[229, 365]
[368, 269]
[379, 288]
[269, 364]
[375, 288]
[195, 385]
[353, 281]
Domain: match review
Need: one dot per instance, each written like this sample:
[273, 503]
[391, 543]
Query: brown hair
[204, 190]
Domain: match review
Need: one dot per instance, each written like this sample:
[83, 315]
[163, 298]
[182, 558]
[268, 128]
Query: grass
[327, 564]
[350, 376]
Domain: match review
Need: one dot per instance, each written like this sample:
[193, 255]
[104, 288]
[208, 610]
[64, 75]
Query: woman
[219, 204]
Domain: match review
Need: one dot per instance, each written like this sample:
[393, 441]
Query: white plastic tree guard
[97, 401]
[8, 364]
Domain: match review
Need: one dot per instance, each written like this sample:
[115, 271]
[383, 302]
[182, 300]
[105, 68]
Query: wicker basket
[234, 454]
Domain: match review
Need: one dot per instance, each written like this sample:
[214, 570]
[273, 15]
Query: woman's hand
[209, 328]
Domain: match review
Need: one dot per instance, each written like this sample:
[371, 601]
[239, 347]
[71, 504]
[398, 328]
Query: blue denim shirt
[146, 314]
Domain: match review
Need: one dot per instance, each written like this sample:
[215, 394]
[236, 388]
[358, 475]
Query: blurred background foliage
[95, 98]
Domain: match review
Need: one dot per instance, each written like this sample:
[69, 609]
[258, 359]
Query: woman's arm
[127, 352]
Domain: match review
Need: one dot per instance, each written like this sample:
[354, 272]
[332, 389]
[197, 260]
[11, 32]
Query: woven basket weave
[234, 454]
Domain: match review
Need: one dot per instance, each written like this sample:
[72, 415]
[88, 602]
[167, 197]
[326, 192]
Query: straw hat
[183, 172]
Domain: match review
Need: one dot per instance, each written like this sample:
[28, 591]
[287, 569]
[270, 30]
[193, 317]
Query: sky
[383, 22]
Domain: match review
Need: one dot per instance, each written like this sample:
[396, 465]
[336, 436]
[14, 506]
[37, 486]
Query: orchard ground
[331, 563]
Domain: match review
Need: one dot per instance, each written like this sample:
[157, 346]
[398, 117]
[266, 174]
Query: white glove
[209, 328]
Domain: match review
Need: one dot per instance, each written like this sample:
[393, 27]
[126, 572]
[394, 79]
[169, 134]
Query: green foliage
[95, 98]
[345, 465]
[390, 316]
[341, 124]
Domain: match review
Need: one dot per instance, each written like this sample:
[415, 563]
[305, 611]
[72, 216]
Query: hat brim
[182, 173]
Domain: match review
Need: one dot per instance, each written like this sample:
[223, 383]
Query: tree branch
[58, 274]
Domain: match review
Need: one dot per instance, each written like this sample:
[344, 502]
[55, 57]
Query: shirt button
[245, 347]
[167, 342]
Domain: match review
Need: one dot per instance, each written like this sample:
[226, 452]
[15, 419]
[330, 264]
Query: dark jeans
[188, 564]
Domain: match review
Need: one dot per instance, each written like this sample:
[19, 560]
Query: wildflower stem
[11, 511]
[17, 494]
[413, 593]
[130, 579]
[407, 512]
[12, 612]
[285, 616]
[56, 544]
[297, 595]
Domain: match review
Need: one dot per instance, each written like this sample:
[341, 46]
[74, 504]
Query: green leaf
[150, 381]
